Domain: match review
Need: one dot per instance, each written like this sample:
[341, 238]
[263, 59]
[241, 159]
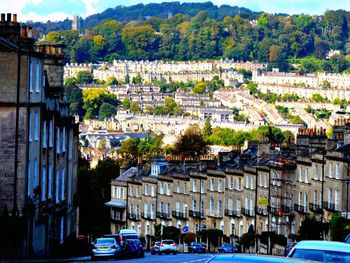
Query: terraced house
[38, 146]
[269, 187]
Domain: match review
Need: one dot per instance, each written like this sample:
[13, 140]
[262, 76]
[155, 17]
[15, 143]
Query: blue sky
[43, 10]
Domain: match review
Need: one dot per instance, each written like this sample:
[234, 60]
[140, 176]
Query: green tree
[317, 97]
[134, 107]
[136, 80]
[200, 88]
[84, 77]
[106, 111]
[207, 130]
[310, 228]
[126, 104]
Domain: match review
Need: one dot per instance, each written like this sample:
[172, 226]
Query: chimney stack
[2, 17]
[8, 17]
[14, 18]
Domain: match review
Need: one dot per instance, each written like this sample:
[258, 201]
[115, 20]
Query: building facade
[38, 144]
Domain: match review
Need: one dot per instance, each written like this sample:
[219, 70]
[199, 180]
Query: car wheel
[174, 252]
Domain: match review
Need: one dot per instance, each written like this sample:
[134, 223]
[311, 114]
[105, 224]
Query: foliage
[339, 227]
[75, 100]
[84, 77]
[310, 228]
[207, 130]
[191, 143]
[199, 88]
[189, 237]
[212, 235]
[294, 119]
[93, 191]
[106, 111]
[171, 232]
[248, 239]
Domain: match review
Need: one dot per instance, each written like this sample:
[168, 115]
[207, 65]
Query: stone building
[269, 187]
[38, 145]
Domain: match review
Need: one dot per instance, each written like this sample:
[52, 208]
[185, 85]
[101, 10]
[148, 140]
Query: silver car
[105, 247]
[322, 251]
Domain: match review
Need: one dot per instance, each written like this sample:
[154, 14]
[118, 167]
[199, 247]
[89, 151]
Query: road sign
[185, 229]
[263, 202]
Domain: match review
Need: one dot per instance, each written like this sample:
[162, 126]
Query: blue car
[227, 248]
[250, 258]
[196, 247]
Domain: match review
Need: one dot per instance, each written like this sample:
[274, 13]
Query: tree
[199, 88]
[339, 227]
[106, 111]
[126, 104]
[310, 228]
[136, 80]
[84, 77]
[207, 130]
[191, 143]
[129, 150]
[317, 97]
[134, 107]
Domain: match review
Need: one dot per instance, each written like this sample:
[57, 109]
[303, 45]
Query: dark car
[196, 247]
[155, 248]
[289, 247]
[250, 258]
[347, 239]
[133, 248]
[227, 248]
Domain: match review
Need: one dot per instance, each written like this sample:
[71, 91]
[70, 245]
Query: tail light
[174, 245]
[161, 245]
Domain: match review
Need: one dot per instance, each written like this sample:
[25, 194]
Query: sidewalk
[85, 258]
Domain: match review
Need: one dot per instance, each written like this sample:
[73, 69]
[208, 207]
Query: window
[137, 191]
[337, 171]
[37, 79]
[152, 211]
[29, 179]
[252, 182]
[185, 188]
[121, 193]
[44, 135]
[50, 134]
[336, 199]
[230, 204]
[152, 190]
[202, 208]
[36, 173]
[178, 187]
[161, 207]
[330, 172]
[131, 208]
[36, 127]
[219, 207]
[239, 185]
[43, 184]
[202, 186]
[300, 174]
[305, 202]
[161, 188]
[316, 172]
[194, 205]
[58, 134]
[211, 184]
[212, 206]
[306, 174]
[62, 230]
[220, 185]
[168, 189]
[30, 127]
[246, 182]
[330, 196]
[57, 186]
[265, 180]
[231, 182]
[146, 189]
[300, 195]
[131, 192]
[168, 209]
[321, 198]
[315, 197]
[177, 207]
[64, 139]
[50, 182]
[238, 206]
[194, 185]
[31, 77]
[63, 184]
[137, 210]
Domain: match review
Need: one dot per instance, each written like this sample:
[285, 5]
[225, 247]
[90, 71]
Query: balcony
[147, 216]
[278, 211]
[232, 213]
[179, 215]
[247, 212]
[134, 217]
[215, 214]
[162, 215]
[300, 209]
[262, 211]
[315, 208]
[329, 206]
[196, 214]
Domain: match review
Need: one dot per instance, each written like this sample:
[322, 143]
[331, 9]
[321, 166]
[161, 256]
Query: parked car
[123, 235]
[289, 247]
[155, 248]
[133, 248]
[227, 248]
[347, 239]
[105, 247]
[167, 246]
[251, 258]
[196, 247]
[321, 251]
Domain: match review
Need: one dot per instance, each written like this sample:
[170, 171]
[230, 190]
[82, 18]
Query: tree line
[281, 40]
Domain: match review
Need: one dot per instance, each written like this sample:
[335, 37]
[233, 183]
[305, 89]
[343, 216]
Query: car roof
[323, 245]
[250, 258]
[105, 238]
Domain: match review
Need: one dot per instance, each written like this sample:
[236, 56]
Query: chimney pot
[8, 17]
[30, 33]
[2, 17]
[15, 18]
[24, 32]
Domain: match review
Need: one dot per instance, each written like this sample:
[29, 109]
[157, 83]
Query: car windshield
[104, 241]
[322, 256]
[226, 245]
[168, 242]
[196, 244]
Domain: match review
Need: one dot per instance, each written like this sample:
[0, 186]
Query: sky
[54, 10]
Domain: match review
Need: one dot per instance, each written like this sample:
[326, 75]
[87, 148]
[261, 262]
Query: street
[179, 258]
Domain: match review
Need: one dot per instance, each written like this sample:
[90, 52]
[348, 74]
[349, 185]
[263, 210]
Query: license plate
[103, 248]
